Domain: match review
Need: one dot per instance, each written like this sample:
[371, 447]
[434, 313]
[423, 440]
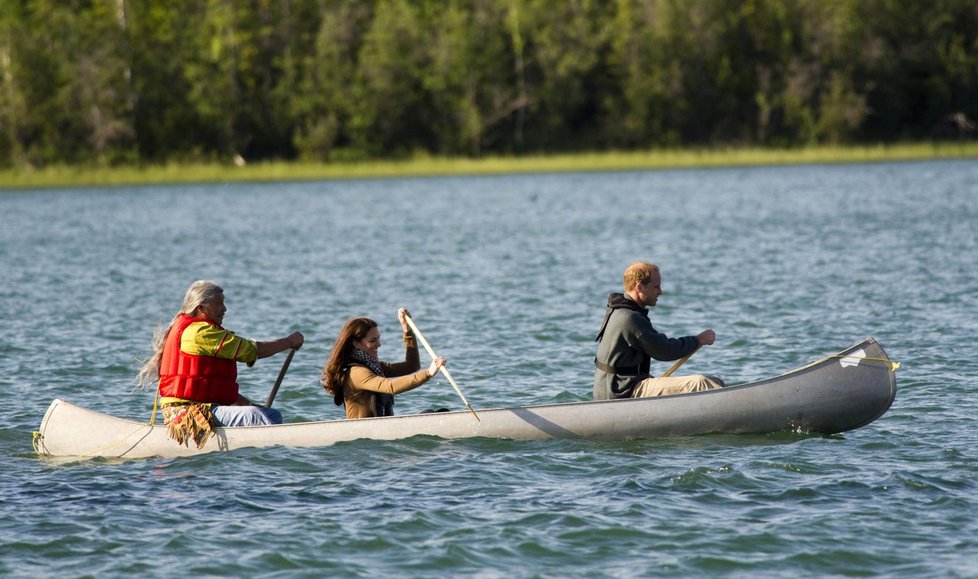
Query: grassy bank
[423, 166]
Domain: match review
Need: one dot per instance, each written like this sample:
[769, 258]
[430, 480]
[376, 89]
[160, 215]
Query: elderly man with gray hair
[627, 342]
[195, 363]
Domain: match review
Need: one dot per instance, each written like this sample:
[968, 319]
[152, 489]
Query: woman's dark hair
[334, 370]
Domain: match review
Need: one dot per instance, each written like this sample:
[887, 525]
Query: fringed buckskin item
[186, 422]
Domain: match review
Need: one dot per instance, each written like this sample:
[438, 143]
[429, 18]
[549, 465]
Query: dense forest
[149, 81]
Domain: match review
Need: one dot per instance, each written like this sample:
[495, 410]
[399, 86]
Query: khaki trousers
[675, 385]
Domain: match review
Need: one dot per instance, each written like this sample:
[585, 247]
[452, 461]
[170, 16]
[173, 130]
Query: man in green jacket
[627, 342]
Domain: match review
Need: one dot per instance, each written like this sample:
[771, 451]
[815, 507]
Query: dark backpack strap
[384, 404]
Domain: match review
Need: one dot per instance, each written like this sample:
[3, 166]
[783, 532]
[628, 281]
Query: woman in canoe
[365, 385]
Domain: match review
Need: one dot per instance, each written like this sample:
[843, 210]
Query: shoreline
[426, 166]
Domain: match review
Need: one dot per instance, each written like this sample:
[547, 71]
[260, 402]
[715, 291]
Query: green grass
[66, 176]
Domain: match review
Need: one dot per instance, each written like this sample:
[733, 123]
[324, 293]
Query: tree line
[151, 81]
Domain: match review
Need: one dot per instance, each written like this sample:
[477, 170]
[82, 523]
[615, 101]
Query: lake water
[507, 277]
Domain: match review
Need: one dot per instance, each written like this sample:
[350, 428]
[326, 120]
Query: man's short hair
[639, 272]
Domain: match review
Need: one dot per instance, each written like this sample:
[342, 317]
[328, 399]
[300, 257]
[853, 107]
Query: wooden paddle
[278, 381]
[679, 363]
[443, 369]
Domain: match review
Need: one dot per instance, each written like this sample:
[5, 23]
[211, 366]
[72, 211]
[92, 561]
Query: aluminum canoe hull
[836, 394]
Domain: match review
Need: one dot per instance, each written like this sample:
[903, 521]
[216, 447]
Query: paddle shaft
[443, 369]
[278, 381]
[679, 363]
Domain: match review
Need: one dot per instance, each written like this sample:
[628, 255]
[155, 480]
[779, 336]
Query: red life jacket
[197, 378]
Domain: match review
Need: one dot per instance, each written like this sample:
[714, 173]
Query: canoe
[836, 394]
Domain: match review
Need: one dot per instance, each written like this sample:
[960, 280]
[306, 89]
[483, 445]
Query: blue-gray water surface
[507, 277]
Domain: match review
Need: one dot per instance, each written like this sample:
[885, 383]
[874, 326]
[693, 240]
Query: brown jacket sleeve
[411, 363]
[362, 378]
[361, 384]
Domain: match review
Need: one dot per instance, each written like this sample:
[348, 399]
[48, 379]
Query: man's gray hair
[199, 293]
